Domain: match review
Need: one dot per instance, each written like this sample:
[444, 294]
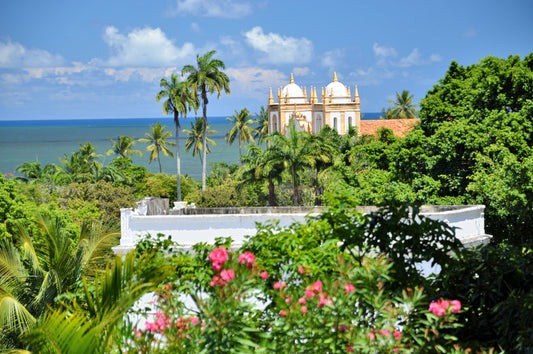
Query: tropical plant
[50, 265]
[403, 106]
[261, 130]
[157, 138]
[242, 121]
[179, 100]
[92, 327]
[79, 166]
[205, 78]
[123, 146]
[388, 113]
[33, 171]
[195, 138]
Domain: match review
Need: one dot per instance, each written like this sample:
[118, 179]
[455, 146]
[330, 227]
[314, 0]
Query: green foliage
[224, 195]
[495, 285]
[403, 107]
[157, 140]
[242, 121]
[13, 207]
[123, 147]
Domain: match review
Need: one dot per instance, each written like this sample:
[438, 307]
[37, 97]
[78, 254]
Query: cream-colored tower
[336, 108]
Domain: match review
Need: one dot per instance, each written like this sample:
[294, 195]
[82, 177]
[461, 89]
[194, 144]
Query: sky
[105, 58]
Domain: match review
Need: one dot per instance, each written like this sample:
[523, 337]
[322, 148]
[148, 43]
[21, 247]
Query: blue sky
[105, 59]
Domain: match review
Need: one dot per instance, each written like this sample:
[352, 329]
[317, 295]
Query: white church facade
[336, 108]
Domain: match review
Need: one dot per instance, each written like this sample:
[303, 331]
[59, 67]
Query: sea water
[46, 140]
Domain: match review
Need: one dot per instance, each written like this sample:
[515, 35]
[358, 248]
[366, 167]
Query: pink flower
[456, 306]
[349, 288]
[218, 256]
[349, 349]
[279, 285]
[371, 335]
[317, 286]
[227, 275]
[168, 287]
[309, 292]
[287, 299]
[301, 269]
[444, 304]
[304, 309]
[324, 301]
[436, 308]
[302, 300]
[397, 334]
[247, 257]
[384, 333]
[283, 313]
[264, 275]
[194, 320]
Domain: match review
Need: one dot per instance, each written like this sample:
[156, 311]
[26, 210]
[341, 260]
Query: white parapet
[186, 230]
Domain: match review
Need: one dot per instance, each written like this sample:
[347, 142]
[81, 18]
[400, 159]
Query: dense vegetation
[473, 146]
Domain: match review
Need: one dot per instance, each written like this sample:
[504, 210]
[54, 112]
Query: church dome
[293, 92]
[337, 88]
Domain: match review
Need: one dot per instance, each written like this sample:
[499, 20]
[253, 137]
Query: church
[336, 108]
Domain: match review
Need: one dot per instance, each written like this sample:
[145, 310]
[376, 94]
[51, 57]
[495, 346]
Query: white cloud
[15, 55]
[145, 74]
[412, 59]
[333, 58]
[255, 82]
[300, 71]
[195, 27]
[277, 49]
[435, 57]
[383, 53]
[145, 47]
[230, 9]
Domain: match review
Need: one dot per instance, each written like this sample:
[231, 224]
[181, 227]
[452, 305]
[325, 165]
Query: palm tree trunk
[178, 162]
[204, 144]
[271, 194]
[159, 160]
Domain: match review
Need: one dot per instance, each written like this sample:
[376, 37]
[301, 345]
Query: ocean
[46, 140]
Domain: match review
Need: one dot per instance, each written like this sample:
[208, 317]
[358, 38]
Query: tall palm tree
[195, 140]
[205, 78]
[30, 281]
[242, 121]
[403, 105]
[123, 146]
[157, 138]
[296, 152]
[179, 100]
[261, 120]
[389, 113]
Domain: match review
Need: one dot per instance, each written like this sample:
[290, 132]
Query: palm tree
[296, 152]
[261, 120]
[206, 77]
[123, 146]
[388, 113]
[242, 122]
[30, 284]
[33, 171]
[195, 138]
[179, 100]
[157, 138]
[403, 105]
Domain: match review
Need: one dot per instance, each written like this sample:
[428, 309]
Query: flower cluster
[439, 307]
[161, 323]
[219, 256]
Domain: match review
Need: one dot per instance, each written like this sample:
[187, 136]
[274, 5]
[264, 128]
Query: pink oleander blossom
[248, 257]
[349, 288]
[304, 309]
[217, 281]
[318, 286]
[264, 275]
[218, 256]
[301, 269]
[194, 320]
[309, 292]
[302, 300]
[397, 334]
[283, 313]
[288, 299]
[279, 285]
[384, 333]
[227, 274]
[456, 306]
[371, 335]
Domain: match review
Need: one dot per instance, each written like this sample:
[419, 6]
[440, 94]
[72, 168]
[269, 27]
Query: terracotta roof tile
[400, 127]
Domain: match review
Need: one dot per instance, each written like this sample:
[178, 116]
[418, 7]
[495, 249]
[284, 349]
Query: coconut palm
[388, 113]
[195, 138]
[205, 78]
[33, 171]
[403, 105]
[30, 282]
[261, 120]
[242, 121]
[157, 138]
[123, 146]
[179, 100]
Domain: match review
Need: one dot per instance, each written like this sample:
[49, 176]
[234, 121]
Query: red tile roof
[400, 127]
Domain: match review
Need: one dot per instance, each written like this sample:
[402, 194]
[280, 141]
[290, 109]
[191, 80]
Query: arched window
[350, 123]
[335, 124]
